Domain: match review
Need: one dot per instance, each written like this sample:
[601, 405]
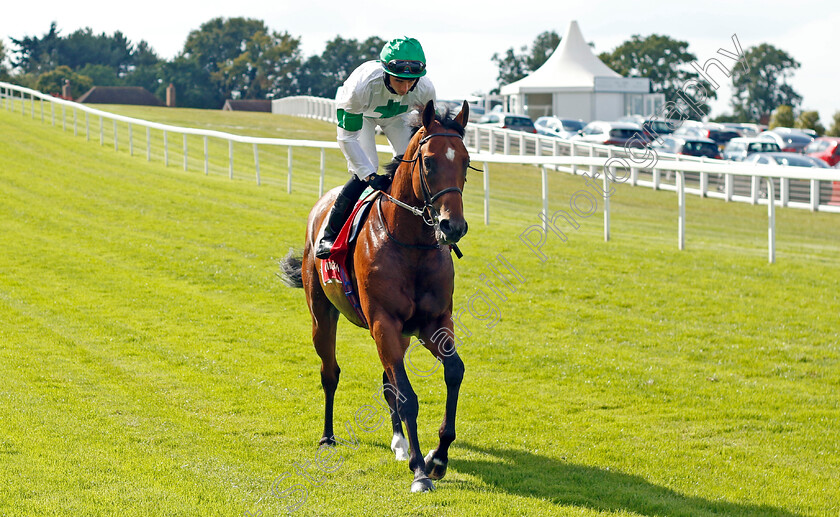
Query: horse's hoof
[325, 442]
[422, 484]
[400, 447]
[435, 468]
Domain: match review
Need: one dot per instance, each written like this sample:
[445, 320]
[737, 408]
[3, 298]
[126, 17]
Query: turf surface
[153, 364]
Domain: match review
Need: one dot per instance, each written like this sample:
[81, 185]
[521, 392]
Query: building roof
[248, 105]
[572, 65]
[119, 95]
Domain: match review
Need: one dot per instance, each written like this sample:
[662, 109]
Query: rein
[428, 213]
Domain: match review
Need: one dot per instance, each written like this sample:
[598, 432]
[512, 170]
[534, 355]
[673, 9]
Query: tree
[101, 75]
[544, 45]
[834, 130]
[146, 69]
[241, 55]
[809, 120]
[4, 71]
[664, 61]
[53, 81]
[782, 117]
[322, 75]
[761, 84]
[192, 84]
[37, 55]
[725, 117]
[513, 66]
[83, 47]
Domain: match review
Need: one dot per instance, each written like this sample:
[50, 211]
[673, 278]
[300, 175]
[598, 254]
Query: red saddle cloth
[334, 269]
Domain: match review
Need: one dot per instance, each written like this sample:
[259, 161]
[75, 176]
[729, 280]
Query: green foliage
[52, 82]
[193, 84]
[37, 55]
[763, 85]
[664, 61]
[84, 48]
[834, 130]
[101, 75]
[225, 57]
[322, 75]
[514, 66]
[4, 69]
[810, 120]
[152, 363]
[110, 60]
[725, 117]
[782, 117]
[241, 55]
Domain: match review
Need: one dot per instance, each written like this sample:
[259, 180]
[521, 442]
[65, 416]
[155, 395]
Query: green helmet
[403, 57]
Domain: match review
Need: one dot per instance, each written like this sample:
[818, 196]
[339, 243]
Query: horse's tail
[290, 268]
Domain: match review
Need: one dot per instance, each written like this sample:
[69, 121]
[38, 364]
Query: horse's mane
[446, 119]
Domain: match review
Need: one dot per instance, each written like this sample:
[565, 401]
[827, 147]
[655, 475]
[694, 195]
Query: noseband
[430, 214]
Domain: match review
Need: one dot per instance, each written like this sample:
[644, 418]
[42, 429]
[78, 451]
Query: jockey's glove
[378, 181]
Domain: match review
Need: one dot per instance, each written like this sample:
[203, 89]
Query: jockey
[378, 93]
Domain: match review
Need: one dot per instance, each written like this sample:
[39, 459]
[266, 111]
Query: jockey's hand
[379, 182]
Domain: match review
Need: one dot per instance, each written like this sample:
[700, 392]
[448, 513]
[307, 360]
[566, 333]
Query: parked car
[508, 121]
[826, 148]
[786, 158]
[739, 148]
[654, 127]
[688, 146]
[455, 106]
[790, 140]
[613, 133]
[559, 127]
[715, 132]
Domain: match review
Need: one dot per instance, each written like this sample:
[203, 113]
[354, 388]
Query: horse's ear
[428, 114]
[464, 115]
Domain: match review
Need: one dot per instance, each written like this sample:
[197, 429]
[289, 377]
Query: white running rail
[813, 189]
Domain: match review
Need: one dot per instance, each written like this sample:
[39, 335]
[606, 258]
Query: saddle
[334, 269]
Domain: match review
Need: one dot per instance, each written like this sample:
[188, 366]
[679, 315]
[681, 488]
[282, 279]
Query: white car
[613, 133]
[790, 140]
[559, 127]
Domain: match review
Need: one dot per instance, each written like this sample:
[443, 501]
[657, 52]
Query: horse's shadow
[566, 484]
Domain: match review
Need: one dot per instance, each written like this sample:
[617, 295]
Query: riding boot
[339, 213]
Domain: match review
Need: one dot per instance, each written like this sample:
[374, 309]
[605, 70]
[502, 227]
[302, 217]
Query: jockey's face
[400, 85]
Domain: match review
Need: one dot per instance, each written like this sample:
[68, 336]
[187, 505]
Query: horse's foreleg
[453, 372]
[408, 408]
[398, 443]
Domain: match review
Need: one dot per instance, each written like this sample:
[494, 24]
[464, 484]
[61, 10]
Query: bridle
[429, 213]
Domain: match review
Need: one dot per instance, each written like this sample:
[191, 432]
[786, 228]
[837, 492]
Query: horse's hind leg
[324, 323]
[323, 337]
[398, 443]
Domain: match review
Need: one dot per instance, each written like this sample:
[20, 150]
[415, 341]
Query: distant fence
[796, 187]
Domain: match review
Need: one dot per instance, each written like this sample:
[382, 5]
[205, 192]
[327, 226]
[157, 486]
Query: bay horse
[403, 273]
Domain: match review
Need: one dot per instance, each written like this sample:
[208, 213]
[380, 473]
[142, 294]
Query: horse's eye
[429, 164]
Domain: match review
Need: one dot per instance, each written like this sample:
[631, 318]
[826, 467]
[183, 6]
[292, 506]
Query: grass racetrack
[153, 364]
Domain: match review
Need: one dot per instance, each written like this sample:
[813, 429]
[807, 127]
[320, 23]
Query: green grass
[153, 364]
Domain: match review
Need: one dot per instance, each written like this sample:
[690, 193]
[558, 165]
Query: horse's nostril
[445, 226]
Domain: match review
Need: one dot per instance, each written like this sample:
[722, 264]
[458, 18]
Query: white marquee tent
[574, 83]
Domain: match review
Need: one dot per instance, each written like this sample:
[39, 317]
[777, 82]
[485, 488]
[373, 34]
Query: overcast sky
[460, 37]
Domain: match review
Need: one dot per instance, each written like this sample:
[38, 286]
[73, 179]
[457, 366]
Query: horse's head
[440, 171]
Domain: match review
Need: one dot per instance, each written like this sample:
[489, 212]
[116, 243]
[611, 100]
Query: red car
[826, 148]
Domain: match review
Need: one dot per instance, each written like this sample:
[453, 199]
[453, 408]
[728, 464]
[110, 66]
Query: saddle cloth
[334, 269]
